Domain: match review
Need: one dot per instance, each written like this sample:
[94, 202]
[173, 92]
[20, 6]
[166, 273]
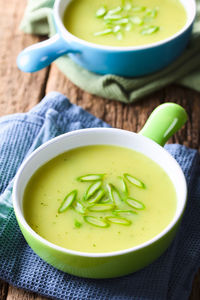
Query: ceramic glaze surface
[80, 20]
[52, 182]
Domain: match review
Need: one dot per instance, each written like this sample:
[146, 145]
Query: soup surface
[124, 22]
[137, 198]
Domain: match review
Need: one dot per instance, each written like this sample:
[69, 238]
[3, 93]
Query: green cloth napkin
[38, 19]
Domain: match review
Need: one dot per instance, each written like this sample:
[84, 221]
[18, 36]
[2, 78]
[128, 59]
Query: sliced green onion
[124, 186]
[67, 201]
[104, 32]
[79, 207]
[106, 200]
[112, 17]
[90, 177]
[147, 30]
[152, 13]
[136, 20]
[100, 207]
[121, 22]
[127, 6]
[115, 10]
[117, 28]
[109, 24]
[124, 212]
[109, 187]
[134, 181]
[120, 221]
[135, 203]
[97, 197]
[138, 8]
[77, 224]
[114, 194]
[97, 222]
[101, 12]
[92, 189]
[122, 15]
[128, 27]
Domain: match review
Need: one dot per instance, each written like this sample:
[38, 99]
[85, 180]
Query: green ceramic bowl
[163, 122]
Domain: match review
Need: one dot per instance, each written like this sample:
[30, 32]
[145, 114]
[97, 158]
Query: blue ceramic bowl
[122, 61]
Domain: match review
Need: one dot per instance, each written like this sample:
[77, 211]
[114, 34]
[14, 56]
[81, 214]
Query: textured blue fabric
[170, 277]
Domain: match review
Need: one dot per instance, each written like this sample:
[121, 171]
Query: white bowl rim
[66, 34]
[22, 220]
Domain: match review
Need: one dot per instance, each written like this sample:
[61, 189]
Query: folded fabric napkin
[38, 19]
[170, 277]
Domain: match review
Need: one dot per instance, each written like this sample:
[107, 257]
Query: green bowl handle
[164, 121]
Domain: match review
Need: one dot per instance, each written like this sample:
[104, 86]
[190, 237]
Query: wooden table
[19, 92]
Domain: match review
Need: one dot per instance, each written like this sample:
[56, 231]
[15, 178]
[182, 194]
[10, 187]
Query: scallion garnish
[128, 17]
[112, 17]
[101, 12]
[79, 207]
[100, 207]
[127, 6]
[90, 177]
[129, 27]
[97, 222]
[138, 8]
[114, 194]
[124, 212]
[105, 200]
[152, 13]
[115, 10]
[97, 197]
[133, 180]
[120, 221]
[136, 20]
[67, 201]
[97, 200]
[117, 28]
[77, 224]
[135, 203]
[92, 189]
[104, 32]
[147, 30]
[123, 21]
[124, 186]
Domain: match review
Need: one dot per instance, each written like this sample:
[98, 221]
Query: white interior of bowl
[99, 136]
[60, 6]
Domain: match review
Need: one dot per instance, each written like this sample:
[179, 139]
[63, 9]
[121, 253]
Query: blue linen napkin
[170, 277]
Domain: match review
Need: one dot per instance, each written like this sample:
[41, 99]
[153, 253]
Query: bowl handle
[164, 121]
[40, 55]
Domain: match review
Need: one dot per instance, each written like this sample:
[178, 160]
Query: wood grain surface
[19, 92]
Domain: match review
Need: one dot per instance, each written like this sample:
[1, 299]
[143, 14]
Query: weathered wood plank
[3, 290]
[16, 294]
[18, 91]
[130, 117]
[195, 294]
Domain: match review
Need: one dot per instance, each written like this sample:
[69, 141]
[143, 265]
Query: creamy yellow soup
[124, 22]
[155, 199]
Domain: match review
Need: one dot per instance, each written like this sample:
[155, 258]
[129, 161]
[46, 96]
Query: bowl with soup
[103, 202]
[122, 37]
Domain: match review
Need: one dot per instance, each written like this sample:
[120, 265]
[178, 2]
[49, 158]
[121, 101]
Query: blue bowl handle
[39, 56]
